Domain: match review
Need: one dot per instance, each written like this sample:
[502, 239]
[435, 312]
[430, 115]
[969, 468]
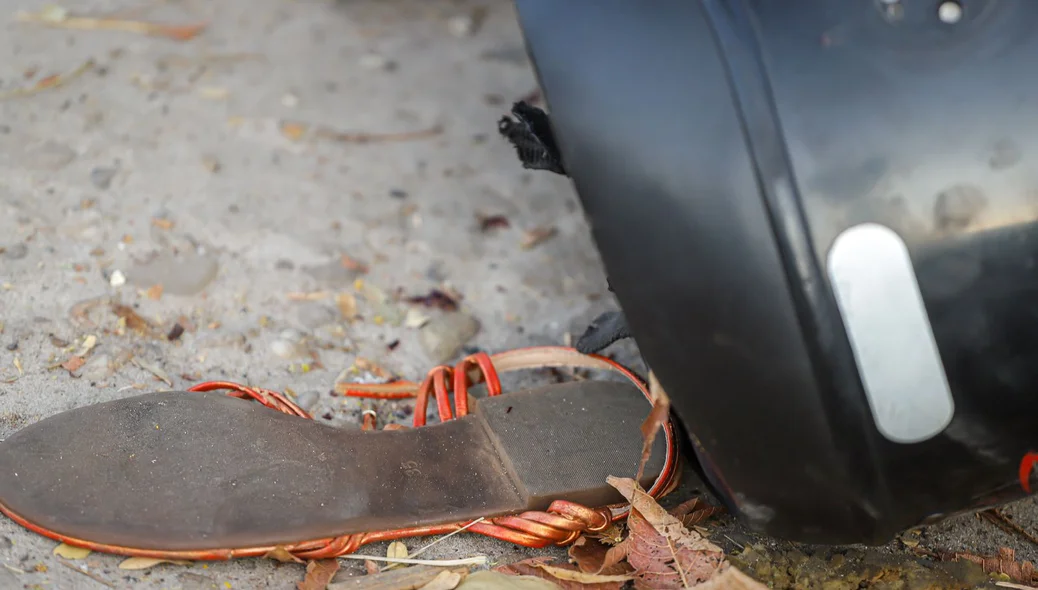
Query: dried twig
[999, 519]
[61, 19]
[365, 137]
[476, 560]
[48, 82]
[90, 575]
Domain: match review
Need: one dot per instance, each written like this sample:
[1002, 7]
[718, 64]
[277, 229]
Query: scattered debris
[662, 551]
[175, 332]
[154, 370]
[56, 16]
[117, 278]
[132, 320]
[319, 574]
[347, 305]
[435, 298]
[562, 575]
[443, 337]
[143, 563]
[1003, 563]
[491, 222]
[281, 554]
[363, 137]
[73, 364]
[70, 552]
[49, 82]
[352, 264]
[415, 318]
[101, 178]
[415, 576]
[537, 235]
[83, 571]
[396, 550]
[999, 518]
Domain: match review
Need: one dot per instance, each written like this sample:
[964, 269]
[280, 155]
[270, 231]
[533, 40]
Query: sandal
[201, 475]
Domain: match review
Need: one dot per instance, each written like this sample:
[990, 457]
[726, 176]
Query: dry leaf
[347, 304]
[73, 364]
[352, 264]
[445, 580]
[572, 575]
[70, 552]
[283, 555]
[1003, 563]
[537, 235]
[133, 320]
[731, 579]
[593, 556]
[662, 551]
[542, 567]
[408, 578]
[695, 511]
[319, 574]
[88, 344]
[396, 550]
[154, 292]
[143, 563]
[658, 416]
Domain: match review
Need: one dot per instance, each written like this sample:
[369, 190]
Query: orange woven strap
[562, 523]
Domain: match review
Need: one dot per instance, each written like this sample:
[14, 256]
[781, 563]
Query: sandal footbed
[194, 471]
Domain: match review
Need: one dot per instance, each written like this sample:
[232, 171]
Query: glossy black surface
[720, 147]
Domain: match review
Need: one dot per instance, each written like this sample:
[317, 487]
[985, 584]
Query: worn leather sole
[196, 472]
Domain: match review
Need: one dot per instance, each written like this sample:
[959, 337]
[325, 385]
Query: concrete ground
[219, 167]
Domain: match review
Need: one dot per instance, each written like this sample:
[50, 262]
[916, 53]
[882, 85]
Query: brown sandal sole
[208, 476]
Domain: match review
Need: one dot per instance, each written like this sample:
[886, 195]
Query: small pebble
[50, 155]
[101, 178]
[13, 345]
[462, 25]
[443, 337]
[398, 194]
[16, 251]
[118, 279]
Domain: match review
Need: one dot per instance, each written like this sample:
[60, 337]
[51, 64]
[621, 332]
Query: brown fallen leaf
[73, 364]
[1003, 563]
[408, 578]
[731, 579]
[537, 235]
[695, 511]
[435, 298]
[319, 574]
[132, 319]
[594, 557]
[544, 568]
[59, 17]
[281, 554]
[662, 551]
[353, 264]
[445, 580]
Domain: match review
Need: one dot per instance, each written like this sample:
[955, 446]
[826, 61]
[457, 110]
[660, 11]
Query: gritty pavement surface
[224, 184]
